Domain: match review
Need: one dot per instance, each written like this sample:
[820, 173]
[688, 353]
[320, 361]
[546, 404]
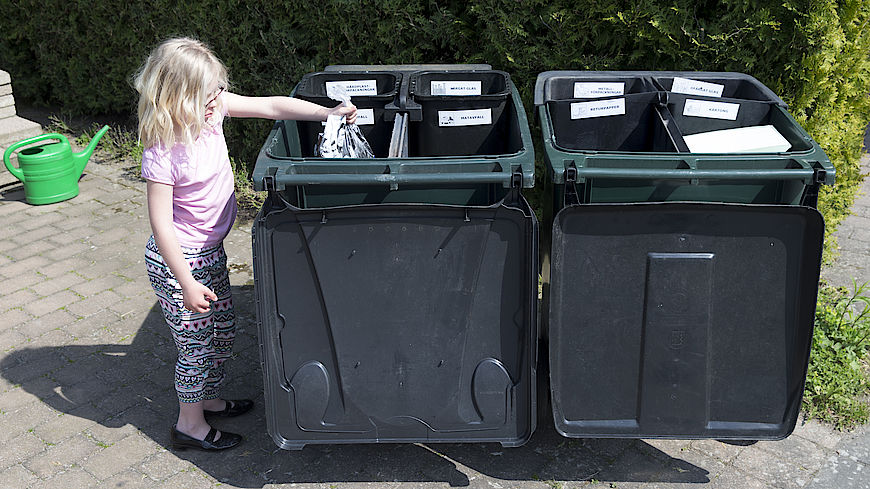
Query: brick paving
[86, 396]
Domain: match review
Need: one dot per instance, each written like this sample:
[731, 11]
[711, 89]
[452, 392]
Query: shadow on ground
[12, 191]
[119, 384]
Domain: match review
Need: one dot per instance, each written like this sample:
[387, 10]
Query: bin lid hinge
[571, 173]
[820, 175]
[517, 177]
[269, 179]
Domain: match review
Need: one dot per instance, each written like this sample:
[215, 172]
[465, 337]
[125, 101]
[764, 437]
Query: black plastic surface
[681, 320]
[410, 67]
[429, 138]
[654, 122]
[558, 85]
[642, 128]
[398, 323]
[493, 83]
[750, 113]
[312, 88]
[735, 85]
[562, 87]
[314, 84]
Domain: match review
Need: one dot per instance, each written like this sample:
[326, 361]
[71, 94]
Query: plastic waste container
[370, 92]
[681, 285]
[397, 296]
[463, 113]
[620, 136]
[478, 175]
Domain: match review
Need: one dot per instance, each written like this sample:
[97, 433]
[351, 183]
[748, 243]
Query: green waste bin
[679, 282]
[481, 173]
[397, 296]
[636, 150]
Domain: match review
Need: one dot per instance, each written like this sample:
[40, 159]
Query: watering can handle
[11, 149]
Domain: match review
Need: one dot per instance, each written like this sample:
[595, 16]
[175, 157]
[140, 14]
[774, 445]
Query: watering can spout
[82, 158]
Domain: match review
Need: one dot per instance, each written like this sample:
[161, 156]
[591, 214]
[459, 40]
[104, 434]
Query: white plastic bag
[340, 139]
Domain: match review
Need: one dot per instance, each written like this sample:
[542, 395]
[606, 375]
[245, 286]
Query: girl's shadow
[116, 385]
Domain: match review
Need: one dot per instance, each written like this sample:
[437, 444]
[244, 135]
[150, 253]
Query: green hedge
[813, 54]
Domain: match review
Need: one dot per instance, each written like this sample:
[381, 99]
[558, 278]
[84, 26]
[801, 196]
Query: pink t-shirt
[203, 196]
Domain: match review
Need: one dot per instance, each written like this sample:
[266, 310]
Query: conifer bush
[814, 55]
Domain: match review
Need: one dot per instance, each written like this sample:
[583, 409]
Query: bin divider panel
[671, 130]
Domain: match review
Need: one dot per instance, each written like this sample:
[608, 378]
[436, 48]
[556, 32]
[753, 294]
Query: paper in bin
[750, 139]
[399, 138]
[340, 139]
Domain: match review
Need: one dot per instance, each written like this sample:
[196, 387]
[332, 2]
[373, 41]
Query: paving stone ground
[86, 396]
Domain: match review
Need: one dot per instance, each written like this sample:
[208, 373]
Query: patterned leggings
[204, 340]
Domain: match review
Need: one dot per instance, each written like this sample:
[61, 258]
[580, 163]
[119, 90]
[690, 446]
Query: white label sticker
[365, 117]
[475, 117]
[598, 90]
[356, 87]
[694, 87]
[711, 110]
[598, 108]
[455, 88]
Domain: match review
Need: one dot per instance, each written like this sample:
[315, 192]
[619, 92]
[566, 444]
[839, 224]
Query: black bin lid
[682, 320]
[398, 323]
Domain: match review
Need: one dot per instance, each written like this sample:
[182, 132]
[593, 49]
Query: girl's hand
[197, 296]
[348, 112]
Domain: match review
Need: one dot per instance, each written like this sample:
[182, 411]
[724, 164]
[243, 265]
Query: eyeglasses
[220, 90]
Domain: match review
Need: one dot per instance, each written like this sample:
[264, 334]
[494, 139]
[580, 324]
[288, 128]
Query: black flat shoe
[181, 441]
[233, 408]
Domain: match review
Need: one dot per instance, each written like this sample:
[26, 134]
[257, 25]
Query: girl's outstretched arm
[279, 108]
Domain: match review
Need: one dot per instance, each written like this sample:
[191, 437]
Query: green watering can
[50, 172]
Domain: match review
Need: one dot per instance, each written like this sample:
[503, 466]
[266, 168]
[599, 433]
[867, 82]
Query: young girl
[183, 100]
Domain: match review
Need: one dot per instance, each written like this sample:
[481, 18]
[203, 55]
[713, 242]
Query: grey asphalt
[86, 368]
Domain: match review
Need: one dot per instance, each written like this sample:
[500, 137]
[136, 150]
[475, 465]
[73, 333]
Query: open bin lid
[682, 320]
[398, 323]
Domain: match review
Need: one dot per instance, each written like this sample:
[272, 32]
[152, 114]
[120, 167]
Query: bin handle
[690, 174]
[405, 103]
[392, 179]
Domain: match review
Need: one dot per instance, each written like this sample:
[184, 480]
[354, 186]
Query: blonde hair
[174, 85]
